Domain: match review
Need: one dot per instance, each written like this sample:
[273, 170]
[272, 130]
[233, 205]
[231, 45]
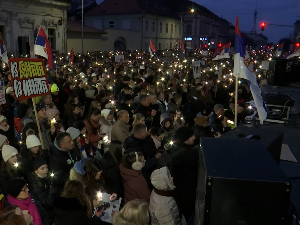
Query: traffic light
[205, 46]
[297, 45]
[262, 26]
[220, 45]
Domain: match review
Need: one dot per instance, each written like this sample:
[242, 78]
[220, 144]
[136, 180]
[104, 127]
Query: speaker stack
[239, 180]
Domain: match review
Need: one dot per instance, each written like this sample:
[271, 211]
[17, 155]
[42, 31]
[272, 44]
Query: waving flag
[279, 50]
[152, 49]
[223, 52]
[243, 68]
[3, 51]
[182, 45]
[42, 47]
[72, 56]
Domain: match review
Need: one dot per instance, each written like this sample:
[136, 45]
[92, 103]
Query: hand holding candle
[53, 121]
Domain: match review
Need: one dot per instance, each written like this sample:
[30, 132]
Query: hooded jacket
[120, 131]
[163, 209]
[60, 164]
[135, 185]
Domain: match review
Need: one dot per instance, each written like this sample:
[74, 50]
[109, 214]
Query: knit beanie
[2, 118]
[200, 120]
[9, 90]
[2, 139]
[79, 166]
[51, 113]
[183, 134]
[54, 88]
[160, 179]
[79, 125]
[105, 113]
[32, 141]
[15, 186]
[38, 162]
[74, 132]
[8, 152]
[40, 105]
[21, 110]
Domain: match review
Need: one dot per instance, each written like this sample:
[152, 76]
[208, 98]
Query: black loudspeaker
[277, 75]
[270, 140]
[240, 184]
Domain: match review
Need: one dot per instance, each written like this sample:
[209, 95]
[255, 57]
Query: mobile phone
[104, 206]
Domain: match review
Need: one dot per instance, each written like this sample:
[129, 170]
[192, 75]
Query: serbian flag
[72, 56]
[222, 52]
[279, 50]
[3, 51]
[42, 47]
[152, 46]
[243, 68]
[182, 45]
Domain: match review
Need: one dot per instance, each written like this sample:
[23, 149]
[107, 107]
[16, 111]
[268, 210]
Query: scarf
[27, 204]
[156, 142]
[169, 194]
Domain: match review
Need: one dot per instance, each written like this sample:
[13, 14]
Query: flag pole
[236, 99]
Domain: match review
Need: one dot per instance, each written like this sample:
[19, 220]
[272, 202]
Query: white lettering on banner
[14, 69]
[18, 88]
[35, 86]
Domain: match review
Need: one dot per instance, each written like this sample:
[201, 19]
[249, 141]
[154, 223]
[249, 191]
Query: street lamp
[192, 10]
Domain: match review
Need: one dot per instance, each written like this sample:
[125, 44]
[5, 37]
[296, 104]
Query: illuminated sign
[188, 38]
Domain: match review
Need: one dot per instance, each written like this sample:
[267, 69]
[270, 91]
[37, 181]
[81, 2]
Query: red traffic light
[205, 46]
[262, 26]
[297, 44]
[220, 45]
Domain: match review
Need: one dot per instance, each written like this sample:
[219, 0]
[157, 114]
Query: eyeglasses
[26, 187]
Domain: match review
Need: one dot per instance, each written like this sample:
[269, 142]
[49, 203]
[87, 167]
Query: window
[51, 38]
[153, 27]
[175, 31]
[111, 24]
[160, 27]
[167, 28]
[146, 27]
[171, 28]
[189, 28]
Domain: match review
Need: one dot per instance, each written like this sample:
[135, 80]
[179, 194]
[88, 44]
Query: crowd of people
[130, 129]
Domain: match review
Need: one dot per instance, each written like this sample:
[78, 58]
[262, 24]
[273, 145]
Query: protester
[6, 129]
[120, 130]
[201, 129]
[13, 215]
[138, 118]
[143, 108]
[106, 122]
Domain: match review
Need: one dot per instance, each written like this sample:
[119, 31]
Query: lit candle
[52, 175]
[99, 196]
[16, 164]
[53, 121]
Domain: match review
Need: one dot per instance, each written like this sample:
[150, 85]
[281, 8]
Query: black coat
[70, 211]
[185, 174]
[60, 164]
[40, 190]
[199, 132]
[156, 118]
[70, 119]
[112, 175]
[146, 111]
[5, 177]
[80, 92]
[118, 88]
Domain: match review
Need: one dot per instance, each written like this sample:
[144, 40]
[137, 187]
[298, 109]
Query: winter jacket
[195, 93]
[162, 108]
[30, 123]
[70, 211]
[112, 175]
[70, 119]
[146, 111]
[163, 209]
[93, 138]
[41, 190]
[135, 185]
[185, 174]
[120, 131]
[172, 107]
[18, 124]
[199, 132]
[60, 164]
[5, 177]
[80, 92]
[63, 98]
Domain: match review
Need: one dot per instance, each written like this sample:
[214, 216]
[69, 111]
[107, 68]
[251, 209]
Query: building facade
[130, 25]
[297, 30]
[21, 19]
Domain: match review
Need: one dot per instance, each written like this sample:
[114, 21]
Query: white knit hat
[74, 132]
[2, 139]
[94, 74]
[8, 152]
[9, 90]
[105, 112]
[32, 141]
[160, 179]
[2, 118]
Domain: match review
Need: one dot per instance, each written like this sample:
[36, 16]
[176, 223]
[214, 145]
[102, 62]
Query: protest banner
[29, 80]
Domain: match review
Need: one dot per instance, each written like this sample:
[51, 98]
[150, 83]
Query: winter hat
[15, 186]
[127, 97]
[51, 113]
[38, 162]
[218, 106]
[9, 90]
[94, 74]
[2, 118]
[21, 110]
[32, 141]
[54, 88]
[79, 166]
[183, 134]
[74, 132]
[160, 179]
[40, 105]
[142, 67]
[8, 152]
[200, 120]
[3, 138]
[105, 113]
[79, 125]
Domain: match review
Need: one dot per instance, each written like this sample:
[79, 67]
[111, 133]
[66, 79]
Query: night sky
[284, 12]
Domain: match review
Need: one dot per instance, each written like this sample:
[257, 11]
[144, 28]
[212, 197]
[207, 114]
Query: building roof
[76, 27]
[119, 7]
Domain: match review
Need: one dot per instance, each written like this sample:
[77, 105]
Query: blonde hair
[137, 117]
[135, 212]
